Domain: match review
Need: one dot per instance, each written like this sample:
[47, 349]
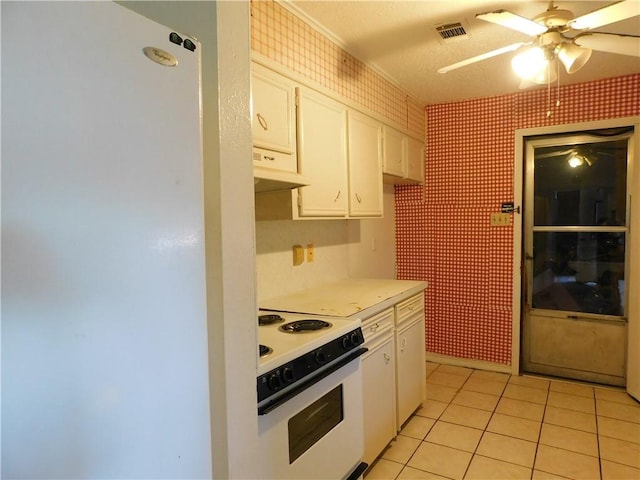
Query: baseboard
[468, 363]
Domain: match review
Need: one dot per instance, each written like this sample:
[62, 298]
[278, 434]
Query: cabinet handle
[387, 358]
[374, 327]
[269, 158]
[337, 196]
[358, 198]
[404, 344]
[262, 122]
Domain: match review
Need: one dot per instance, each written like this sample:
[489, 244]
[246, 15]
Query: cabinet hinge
[297, 97]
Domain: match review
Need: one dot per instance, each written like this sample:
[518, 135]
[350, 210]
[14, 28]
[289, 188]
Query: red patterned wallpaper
[443, 234]
[281, 36]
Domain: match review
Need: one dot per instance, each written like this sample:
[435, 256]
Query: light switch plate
[500, 219]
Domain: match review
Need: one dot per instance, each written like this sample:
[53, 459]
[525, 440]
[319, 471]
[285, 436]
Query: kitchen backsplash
[342, 248]
[276, 274]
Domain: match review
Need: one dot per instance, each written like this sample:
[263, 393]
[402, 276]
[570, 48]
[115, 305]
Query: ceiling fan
[579, 154]
[558, 35]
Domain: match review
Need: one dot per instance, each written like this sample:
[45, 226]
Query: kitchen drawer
[377, 325]
[409, 309]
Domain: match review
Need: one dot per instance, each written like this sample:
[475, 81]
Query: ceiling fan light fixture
[573, 57]
[575, 160]
[548, 74]
[529, 62]
[535, 64]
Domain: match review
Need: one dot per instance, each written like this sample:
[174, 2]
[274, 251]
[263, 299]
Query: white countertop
[361, 297]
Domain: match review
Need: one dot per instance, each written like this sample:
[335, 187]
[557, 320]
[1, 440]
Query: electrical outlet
[298, 255]
[310, 252]
[499, 219]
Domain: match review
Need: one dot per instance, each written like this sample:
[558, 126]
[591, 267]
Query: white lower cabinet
[378, 372]
[393, 372]
[410, 357]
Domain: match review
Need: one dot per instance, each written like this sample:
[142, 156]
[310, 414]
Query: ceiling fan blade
[484, 56]
[610, 42]
[606, 15]
[554, 154]
[513, 21]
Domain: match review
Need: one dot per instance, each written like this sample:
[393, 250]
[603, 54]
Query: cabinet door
[394, 152]
[273, 120]
[410, 376]
[322, 141]
[378, 398]
[365, 166]
[415, 160]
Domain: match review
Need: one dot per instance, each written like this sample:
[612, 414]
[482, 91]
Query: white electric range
[309, 390]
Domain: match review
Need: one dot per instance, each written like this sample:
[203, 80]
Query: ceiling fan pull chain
[558, 86]
[548, 94]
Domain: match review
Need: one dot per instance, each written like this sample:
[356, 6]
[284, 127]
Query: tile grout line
[484, 430]
[544, 413]
[595, 411]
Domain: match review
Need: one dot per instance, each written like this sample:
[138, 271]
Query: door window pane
[579, 271]
[581, 184]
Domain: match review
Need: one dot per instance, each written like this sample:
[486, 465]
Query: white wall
[342, 249]
[276, 274]
[372, 243]
[223, 30]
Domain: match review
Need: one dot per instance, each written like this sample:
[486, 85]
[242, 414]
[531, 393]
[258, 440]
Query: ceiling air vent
[452, 31]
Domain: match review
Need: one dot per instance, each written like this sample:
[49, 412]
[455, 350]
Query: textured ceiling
[399, 38]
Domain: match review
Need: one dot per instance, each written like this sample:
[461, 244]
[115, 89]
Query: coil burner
[302, 326]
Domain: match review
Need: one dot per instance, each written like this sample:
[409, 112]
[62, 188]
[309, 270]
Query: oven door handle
[307, 382]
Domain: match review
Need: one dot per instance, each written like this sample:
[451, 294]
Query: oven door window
[311, 424]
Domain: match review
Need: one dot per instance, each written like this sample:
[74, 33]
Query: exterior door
[576, 228]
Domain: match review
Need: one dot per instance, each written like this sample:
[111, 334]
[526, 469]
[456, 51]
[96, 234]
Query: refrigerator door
[104, 342]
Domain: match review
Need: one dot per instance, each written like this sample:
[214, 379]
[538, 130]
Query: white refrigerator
[104, 340]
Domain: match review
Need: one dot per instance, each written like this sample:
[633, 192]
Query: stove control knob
[355, 339]
[273, 381]
[287, 375]
[346, 343]
[320, 357]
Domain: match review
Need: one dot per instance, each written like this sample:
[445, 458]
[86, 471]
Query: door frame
[518, 191]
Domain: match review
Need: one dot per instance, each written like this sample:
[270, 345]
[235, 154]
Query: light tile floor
[487, 425]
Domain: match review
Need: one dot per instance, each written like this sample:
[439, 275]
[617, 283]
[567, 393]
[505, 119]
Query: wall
[372, 243]
[231, 357]
[443, 232]
[223, 30]
[343, 248]
[283, 37]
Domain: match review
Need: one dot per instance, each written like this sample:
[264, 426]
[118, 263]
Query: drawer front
[410, 308]
[377, 325]
[275, 160]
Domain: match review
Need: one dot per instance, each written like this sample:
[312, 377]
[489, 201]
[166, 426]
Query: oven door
[318, 433]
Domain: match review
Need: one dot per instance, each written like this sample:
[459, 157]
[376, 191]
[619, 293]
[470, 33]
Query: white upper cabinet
[415, 160]
[365, 166]
[273, 124]
[322, 150]
[273, 112]
[403, 157]
[394, 152]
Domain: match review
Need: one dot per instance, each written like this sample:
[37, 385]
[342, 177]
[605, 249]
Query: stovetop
[287, 346]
